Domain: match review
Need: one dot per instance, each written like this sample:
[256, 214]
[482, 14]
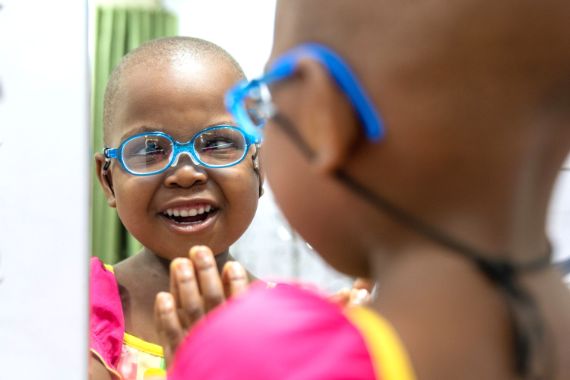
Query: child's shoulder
[269, 332]
[101, 279]
[106, 313]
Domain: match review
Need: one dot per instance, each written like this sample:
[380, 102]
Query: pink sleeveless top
[290, 333]
[125, 356]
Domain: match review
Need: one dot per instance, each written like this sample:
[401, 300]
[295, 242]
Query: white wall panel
[43, 189]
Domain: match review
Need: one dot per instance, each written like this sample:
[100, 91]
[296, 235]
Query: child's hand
[195, 289]
[359, 295]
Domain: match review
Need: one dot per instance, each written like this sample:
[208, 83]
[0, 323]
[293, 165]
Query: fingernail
[202, 256]
[183, 269]
[165, 303]
[236, 270]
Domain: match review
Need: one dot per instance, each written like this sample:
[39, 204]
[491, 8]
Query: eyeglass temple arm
[110, 152]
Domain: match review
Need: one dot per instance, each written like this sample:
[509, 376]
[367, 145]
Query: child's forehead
[181, 133]
[178, 98]
[173, 119]
[179, 68]
[169, 81]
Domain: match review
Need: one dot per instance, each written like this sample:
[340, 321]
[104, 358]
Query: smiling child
[180, 174]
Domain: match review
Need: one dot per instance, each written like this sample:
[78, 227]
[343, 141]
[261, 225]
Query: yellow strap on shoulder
[389, 357]
[143, 345]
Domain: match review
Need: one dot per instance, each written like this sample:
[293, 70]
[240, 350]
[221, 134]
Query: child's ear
[105, 179]
[330, 119]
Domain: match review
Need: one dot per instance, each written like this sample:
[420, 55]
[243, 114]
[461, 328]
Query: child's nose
[184, 172]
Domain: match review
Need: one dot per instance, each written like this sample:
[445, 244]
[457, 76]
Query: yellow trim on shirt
[154, 373]
[109, 268]
[389, 358]
[143, 345]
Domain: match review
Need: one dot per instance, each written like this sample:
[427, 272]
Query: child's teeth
[188, 211]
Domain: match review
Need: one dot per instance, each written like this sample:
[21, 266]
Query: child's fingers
[358, 297]
[187, 294]
[234, 278]
[341, 298]
[173, 284]
[167, 324]
[208, 277]
[361, 292]
[363, 283]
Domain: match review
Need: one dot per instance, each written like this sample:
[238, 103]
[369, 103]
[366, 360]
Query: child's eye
[150, 148]
[218, 145]
[146, 151]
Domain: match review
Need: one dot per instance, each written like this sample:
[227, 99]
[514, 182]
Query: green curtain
[118, 31]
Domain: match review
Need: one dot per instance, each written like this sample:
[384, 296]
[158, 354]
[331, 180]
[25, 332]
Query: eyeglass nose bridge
[181, 149]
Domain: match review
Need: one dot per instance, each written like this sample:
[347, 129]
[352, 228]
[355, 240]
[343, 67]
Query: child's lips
[189, 215]
[190, 220]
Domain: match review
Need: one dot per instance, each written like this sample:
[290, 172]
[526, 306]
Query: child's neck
[161, 265]
[140, 278]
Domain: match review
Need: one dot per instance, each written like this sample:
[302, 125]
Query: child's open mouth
[190, 215]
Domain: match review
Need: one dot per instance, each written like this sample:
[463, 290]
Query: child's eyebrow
[229, 122]
[146, 128]
[140, 129]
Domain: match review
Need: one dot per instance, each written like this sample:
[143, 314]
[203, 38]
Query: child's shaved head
[155, 55]
[470, 52]
[176, 87]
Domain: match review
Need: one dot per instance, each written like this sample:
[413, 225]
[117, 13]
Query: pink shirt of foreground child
[337, 341]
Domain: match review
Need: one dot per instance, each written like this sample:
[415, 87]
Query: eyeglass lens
[147, 153]
[220, 146]
[213, 147]
[258, 105]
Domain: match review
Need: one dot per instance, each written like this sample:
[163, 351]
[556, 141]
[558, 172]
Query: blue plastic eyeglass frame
[177, 150]
[285, 66]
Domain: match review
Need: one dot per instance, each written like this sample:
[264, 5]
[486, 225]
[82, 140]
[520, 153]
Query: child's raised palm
[196, 288]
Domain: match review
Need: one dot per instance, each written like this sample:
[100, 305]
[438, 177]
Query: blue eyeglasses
[251, 105]
[152, 153]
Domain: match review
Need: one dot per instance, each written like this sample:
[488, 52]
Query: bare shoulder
[128, 273]
[139, 279]
[97, 370]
